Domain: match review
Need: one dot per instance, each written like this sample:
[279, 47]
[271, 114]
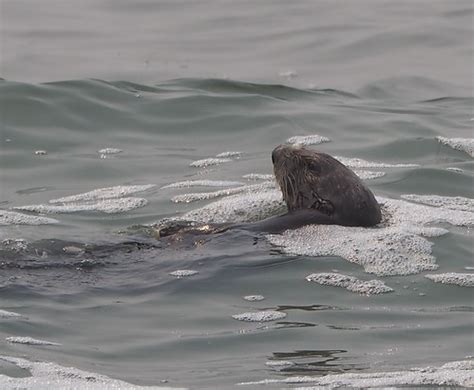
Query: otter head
[297, 171]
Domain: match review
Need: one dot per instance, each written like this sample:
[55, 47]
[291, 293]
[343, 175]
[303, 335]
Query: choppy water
[388, 84]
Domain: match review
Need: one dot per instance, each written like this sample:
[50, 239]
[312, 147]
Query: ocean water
[156, 102]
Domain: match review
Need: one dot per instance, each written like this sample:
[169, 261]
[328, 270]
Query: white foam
[13, 218]
[260, 316]
[109, 206]
[258, 176]
[350, 283]
[368, 175]
[289, 74]
[110, 151]
[395, 247]
[41, 152]
[187, 198]
[450, 202]
[306, 140]
[73, 250]
[104, 193]
[353, 162]
[52, 376]
[209, 161]
[229, 154]
[463, 144]
[254, 298]
[182, 273]
[203, 183]
[459, 279]
[246, 207]
[453, 374]
[29, 341]
[280, 364]
[9, 314]
[15, 244]
[454, 169]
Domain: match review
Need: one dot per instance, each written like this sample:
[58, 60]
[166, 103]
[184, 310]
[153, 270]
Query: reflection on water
[316, 362]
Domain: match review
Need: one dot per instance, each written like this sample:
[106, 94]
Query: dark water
[380, 79]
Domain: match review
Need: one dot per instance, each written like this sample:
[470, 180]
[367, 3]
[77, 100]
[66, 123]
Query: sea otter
[317, 189]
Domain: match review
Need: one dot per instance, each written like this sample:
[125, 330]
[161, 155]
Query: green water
[381, 80]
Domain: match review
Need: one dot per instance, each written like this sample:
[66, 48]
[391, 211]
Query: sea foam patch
[463, 144]
[187, 198]
[206, 162]
[245, 207]
[455, 169]
[52, 376]
[350, 283]
[398, 246]
[450, 202]
[258, 176]
[9, 314]
[254, 298]
[183, 273]
[29, 341]
[109, 206]
[353, 162]
[14, 218]
[203, 183]
[368, 175]
[229, 154]
[307, 140]
[108, 200]
[452, 374]
[260, 316]
[104, 193]
[109, 151]
[458, 279]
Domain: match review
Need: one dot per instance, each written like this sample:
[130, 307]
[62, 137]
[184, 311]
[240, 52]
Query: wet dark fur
[316, 181]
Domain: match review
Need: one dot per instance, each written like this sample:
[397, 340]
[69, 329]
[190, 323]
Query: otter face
[297, 172]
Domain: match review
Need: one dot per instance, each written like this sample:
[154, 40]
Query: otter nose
[276, 153]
